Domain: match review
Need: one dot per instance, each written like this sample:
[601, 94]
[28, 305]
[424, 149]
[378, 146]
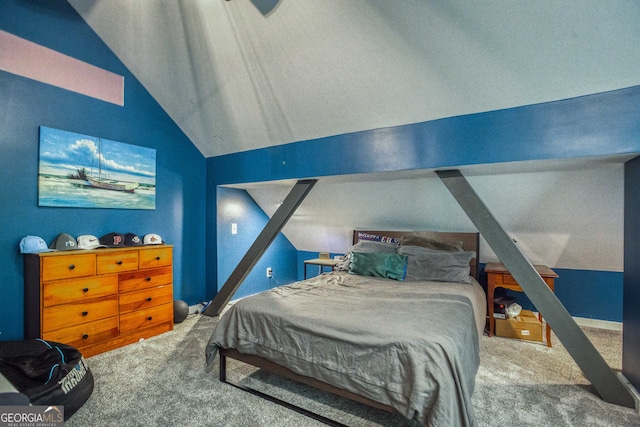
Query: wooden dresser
[98, 300]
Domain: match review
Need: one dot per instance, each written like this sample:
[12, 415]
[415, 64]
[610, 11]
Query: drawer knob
[84, 313]
[85, 289]
[119, 262]
[157, 258]
[149, 298]
[85, 336]
[148, 279]
[149, 318]
[71, 267]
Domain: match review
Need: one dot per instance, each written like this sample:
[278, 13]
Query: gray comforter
[411, 345]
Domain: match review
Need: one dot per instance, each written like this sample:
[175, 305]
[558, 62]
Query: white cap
[152, 239]
[87, 241]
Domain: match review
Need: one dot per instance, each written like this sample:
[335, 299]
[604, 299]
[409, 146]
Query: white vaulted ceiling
[234, 80]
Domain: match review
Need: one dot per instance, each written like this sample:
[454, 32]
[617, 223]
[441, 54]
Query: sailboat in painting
[109, 184]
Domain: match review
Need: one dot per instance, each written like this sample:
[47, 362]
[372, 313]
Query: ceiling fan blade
[265, 7]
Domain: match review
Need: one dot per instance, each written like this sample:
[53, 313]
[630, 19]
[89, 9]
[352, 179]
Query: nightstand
[321, 263]
[498, 277]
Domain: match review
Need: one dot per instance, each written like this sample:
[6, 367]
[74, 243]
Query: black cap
[131, 239]
[112, 240]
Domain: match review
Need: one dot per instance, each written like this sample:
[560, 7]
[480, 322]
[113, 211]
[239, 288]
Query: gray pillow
[439, 266]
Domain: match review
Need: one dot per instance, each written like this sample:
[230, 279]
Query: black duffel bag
[48, 373]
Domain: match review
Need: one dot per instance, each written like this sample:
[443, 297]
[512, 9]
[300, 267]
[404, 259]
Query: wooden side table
[498, 277]
[321, 263]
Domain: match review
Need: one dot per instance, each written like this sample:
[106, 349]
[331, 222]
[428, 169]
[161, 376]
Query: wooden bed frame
[471, 242]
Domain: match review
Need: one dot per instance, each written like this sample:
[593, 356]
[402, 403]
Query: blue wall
[589, 294]
[25, 105]
[237, 207]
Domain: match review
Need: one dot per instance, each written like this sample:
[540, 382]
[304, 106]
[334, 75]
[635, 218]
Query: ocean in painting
[64, 192]
[74, 167]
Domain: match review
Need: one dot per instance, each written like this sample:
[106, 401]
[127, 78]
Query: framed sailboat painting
[83, 171]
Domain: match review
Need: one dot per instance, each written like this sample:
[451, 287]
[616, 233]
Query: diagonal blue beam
[598, 372]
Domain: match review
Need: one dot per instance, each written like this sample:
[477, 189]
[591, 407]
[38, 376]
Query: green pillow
[385, 265]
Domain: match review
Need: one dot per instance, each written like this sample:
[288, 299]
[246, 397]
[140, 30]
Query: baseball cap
[33, 245]
[64, 242]
[131, 239]
[152, 239]
[112, 240]
[87, 241]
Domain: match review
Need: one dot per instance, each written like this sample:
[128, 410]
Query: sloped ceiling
[564, 213]
[234, 80]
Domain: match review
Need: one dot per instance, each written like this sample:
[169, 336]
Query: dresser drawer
[85, 334]
[71, 290]
[156, 257]
[62, 316]
[116, 262]
[68, 266]
[146, 318]
[146, 298]
[145, 279]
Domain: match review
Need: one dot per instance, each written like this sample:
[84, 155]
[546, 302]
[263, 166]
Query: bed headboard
[470, 241]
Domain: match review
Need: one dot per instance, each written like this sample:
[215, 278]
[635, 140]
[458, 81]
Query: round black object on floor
[180, 311]
[47, 372]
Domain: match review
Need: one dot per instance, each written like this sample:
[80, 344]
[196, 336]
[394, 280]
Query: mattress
[412, 345]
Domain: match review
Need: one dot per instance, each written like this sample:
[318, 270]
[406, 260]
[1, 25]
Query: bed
[403, 341]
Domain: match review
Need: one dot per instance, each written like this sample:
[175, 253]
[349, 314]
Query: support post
[258, 248]
[595, 368]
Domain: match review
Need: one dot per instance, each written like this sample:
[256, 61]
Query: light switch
[234, 228]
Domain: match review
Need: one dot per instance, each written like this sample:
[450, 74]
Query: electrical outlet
[269, 272]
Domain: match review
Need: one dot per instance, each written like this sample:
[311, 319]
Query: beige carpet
[535, 385]
[162, 382]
